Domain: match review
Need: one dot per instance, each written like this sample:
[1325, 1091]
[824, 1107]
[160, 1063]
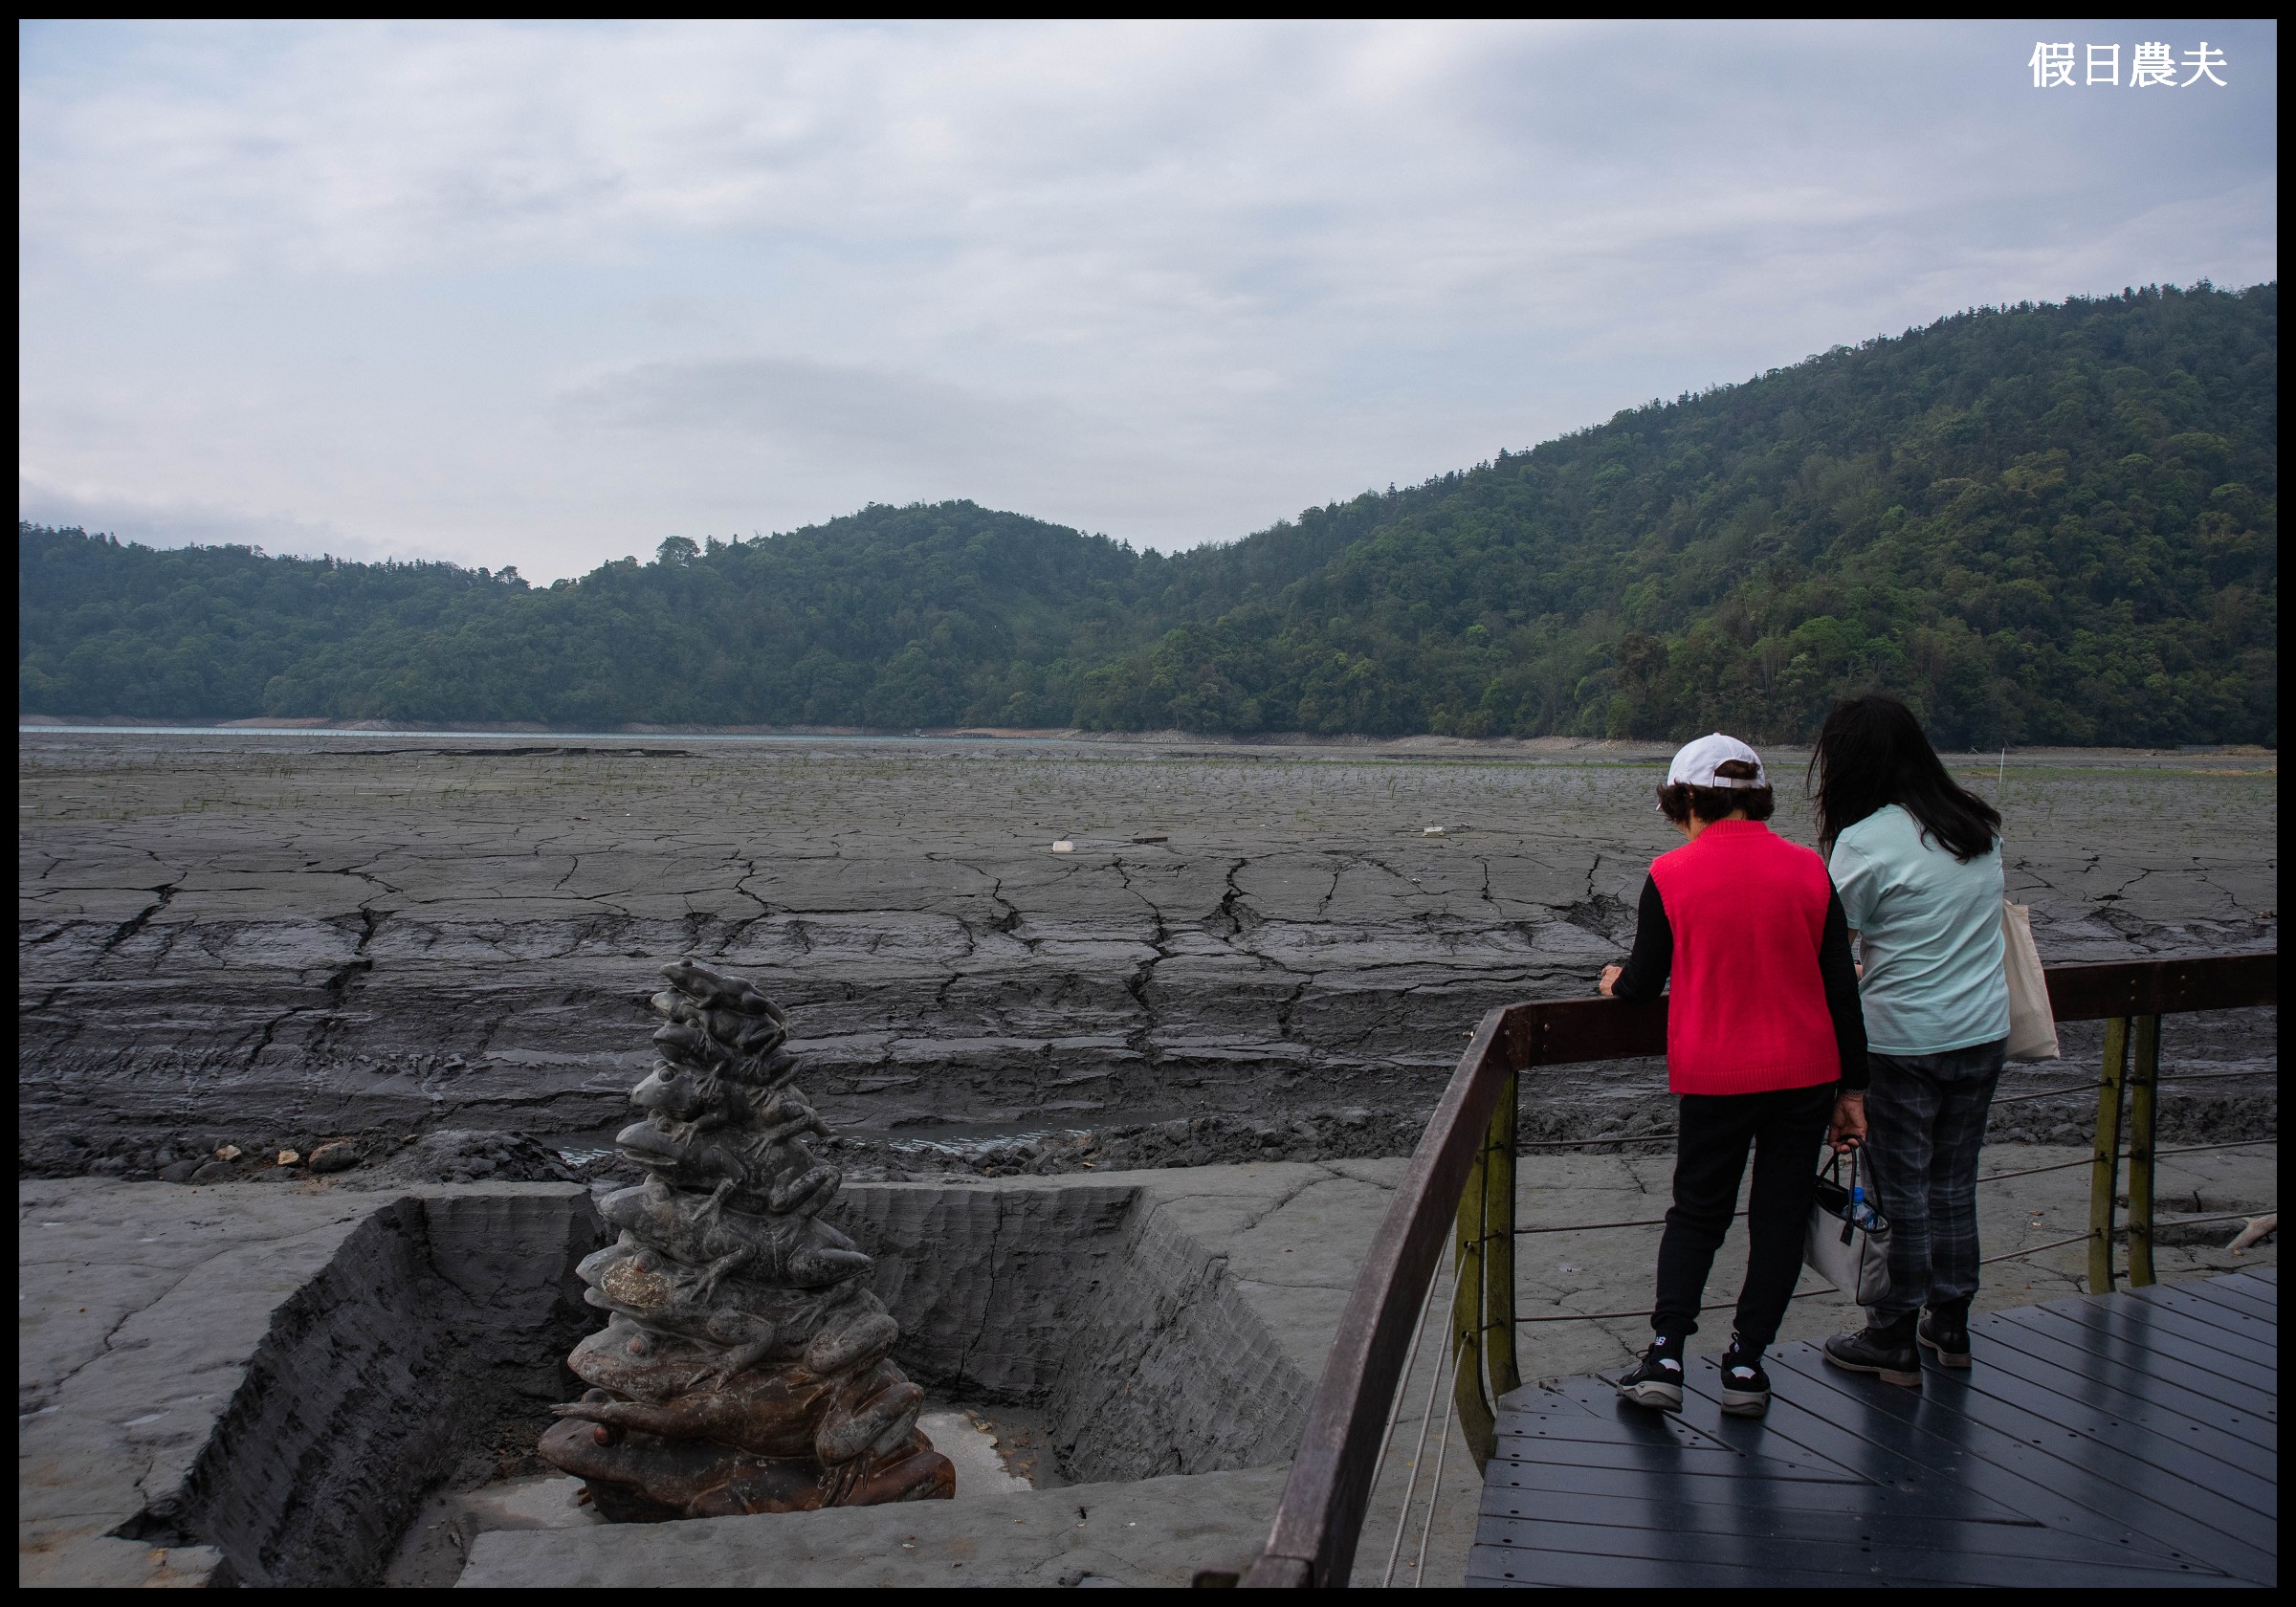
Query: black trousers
[1784, 1129]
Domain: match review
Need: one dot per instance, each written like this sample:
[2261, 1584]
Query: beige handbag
[2031, 1027]
[1848, 1240]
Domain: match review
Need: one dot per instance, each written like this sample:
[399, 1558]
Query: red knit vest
[1748, 1012]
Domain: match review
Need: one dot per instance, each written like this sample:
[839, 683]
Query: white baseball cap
[1694, 765]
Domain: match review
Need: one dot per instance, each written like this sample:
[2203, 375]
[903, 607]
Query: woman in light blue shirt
[1916, 859]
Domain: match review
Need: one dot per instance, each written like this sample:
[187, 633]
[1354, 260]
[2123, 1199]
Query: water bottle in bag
[1848, 1240]
[1862, 1214]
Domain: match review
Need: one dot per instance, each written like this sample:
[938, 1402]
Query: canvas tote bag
[1855, 1259]
[2031, 1027]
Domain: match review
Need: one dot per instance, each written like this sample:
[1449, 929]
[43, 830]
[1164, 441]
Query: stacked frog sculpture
[746, 1365]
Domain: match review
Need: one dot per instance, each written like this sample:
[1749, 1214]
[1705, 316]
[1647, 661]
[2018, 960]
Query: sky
[543, 294]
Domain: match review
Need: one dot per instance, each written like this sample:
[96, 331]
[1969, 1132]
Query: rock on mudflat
[338, 1157]
[745, 1366]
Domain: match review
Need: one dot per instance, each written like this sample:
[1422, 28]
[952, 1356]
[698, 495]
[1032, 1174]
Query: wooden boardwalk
[2124, 1439]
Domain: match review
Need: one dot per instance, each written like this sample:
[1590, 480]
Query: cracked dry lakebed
[273, 939]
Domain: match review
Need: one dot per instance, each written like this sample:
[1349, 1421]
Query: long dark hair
[1871, 753]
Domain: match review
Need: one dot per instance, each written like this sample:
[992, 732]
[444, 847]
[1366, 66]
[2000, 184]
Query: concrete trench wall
[376, 1375]
[1088, 1302]
[442, 1310]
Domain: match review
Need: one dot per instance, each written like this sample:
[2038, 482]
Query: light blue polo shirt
[1931, 936]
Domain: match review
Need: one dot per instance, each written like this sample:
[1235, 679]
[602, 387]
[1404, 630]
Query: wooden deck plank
[1915, 1531]
[1655, 1440]
[2141, 1308]
[2125, 1441]
[1565, 1413]
[2148, 1330]
[1574, 1570]
[2241, 1305]
[2075, 1472]
[2236, 1332]
[1908, 1467]
[2255, 1411]
[1494, 1562]
[1628, 1482]
[2181, 1479]
[2242, 1326]
[2072, 1401]
[1691, 1464]
[1845, 1549]
[1814, 1427]
[2074, 1469]
[1495, 1565]
[2151, 1404]
[2022, 1327]
[2224, 1291]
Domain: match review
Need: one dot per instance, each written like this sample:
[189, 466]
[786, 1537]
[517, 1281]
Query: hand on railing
[1610, 975]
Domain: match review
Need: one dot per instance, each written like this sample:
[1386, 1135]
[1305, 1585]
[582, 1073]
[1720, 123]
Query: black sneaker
[1745, 1386]
[1658, 1381]
[1887, 1353]
[1946, 1338]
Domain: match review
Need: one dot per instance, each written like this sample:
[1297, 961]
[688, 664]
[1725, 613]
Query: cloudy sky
[544, 295]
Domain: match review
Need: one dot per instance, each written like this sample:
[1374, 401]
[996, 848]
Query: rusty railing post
[2103, 1177]
[2143, 1081]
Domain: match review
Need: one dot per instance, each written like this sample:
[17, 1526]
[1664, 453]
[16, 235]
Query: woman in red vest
[1765, 1046]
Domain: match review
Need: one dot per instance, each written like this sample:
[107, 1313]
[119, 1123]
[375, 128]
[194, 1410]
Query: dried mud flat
[268, 941]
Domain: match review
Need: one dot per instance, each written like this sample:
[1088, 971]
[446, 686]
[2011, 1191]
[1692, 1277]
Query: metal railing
[1460, 1186]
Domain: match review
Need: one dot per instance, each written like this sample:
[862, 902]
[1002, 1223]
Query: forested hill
[892, 617]
[2038, 524]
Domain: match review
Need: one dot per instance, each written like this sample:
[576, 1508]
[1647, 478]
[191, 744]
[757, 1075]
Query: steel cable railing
[1987, 1261]
[1395, 1414]
[1990, 1178]
[1442, 1443]
[1419, 1455]
[1666, 1133]
[1461, 1179]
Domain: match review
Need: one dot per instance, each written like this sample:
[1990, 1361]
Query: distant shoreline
[1425, 744]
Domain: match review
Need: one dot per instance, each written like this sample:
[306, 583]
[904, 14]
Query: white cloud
[185, 524]
[806, 404]
[551, 292]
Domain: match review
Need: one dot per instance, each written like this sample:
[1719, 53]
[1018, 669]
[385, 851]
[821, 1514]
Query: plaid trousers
[1924, 1116]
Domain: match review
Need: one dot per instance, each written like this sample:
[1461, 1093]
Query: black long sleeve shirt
[1652, 961]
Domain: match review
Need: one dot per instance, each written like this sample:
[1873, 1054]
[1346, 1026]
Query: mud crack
[163, 896]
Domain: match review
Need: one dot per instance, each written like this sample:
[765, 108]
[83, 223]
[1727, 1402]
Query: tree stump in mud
[745, 1366]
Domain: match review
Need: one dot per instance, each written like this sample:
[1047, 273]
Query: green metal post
[1478, 1423]
[2143, 1081]
[1498, 1249]
[2104, 1177]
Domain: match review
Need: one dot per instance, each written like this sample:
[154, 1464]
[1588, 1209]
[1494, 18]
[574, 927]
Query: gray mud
[441, 950]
